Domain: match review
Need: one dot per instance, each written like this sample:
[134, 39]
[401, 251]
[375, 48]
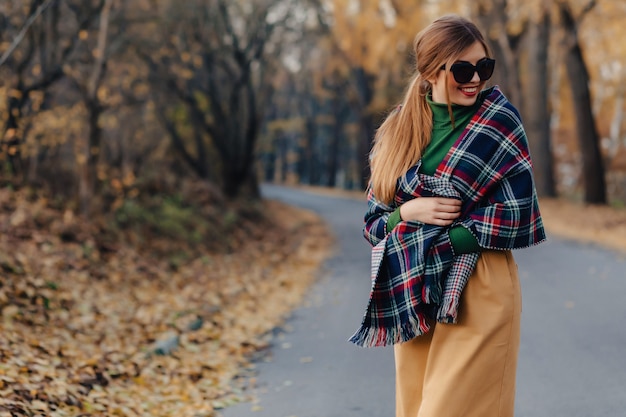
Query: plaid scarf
[415, 273]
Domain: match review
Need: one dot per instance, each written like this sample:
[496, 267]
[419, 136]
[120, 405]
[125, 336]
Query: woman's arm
[463, 241]
[376, 217]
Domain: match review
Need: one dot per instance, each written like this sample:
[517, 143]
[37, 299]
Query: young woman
[451, 194]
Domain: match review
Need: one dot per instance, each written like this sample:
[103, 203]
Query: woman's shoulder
[495, 105]
[500, 121]
[494, 96]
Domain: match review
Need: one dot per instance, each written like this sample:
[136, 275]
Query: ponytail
[401, 139]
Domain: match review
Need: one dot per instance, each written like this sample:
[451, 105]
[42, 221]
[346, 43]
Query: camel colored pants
[467, 369]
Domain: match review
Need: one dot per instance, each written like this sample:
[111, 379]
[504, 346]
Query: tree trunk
[593, 167]
[307, 152]
[89, 175]
[363, 84]
[240, 182]
[282, 148]
[11, 141]
[364, 147]
[336, 135]
[492, 18]
[537, 113]
[333, 153]
[89, 172]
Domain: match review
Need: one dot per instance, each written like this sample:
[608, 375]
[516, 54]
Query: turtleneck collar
[441, 117]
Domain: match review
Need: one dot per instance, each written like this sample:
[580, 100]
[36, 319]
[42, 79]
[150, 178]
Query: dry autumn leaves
[103, 322]
[94, 327]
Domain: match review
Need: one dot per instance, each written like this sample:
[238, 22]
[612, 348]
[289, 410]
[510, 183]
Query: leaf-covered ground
[95, 323]
[164, 316]
[600, 225]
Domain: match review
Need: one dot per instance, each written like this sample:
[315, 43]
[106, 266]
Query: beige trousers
[467, 369]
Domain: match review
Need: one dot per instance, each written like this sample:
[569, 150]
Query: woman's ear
[437, 77]
[433, 81]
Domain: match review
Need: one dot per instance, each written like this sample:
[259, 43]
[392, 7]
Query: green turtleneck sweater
[443, 138]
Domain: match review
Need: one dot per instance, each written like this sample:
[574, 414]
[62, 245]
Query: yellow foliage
[110, 121]
[54, 127]
[116, 184]
[286, 125]
[36, 70]
[187, 74]
[16, 94]
[375, 36]
[197, 61]
[129, 179]
[102, 93]
[81, 159]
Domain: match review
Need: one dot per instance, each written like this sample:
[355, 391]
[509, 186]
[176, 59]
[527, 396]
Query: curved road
[572, 357]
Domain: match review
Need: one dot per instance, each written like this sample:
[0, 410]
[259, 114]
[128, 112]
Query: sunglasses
[463, 72]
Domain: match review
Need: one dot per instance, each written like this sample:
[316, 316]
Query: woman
[451, 194]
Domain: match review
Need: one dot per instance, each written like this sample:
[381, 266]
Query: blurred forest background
[140, 270]
[103, 100]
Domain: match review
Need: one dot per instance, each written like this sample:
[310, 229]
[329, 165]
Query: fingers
[445, 211]
[441, 222]
[442, 215]
[447, 204]
[447, 208]
[438, 211]
[443, 219]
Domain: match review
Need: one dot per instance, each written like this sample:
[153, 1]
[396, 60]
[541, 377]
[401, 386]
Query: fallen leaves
[601, 225]
[91, 332]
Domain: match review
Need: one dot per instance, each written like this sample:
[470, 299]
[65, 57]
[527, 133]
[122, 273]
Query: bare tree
[88, 73]
[33, 15]
[36, 63]
[492, 17]
[588, 137]
[366, 46]
[536, 110]
[530, 39]
[214, 62]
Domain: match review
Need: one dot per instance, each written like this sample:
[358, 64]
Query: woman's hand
[438, 211]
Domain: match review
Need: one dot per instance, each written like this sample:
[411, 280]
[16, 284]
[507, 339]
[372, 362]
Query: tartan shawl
[415, 273]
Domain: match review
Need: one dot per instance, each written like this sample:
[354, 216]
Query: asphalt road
[573, 352]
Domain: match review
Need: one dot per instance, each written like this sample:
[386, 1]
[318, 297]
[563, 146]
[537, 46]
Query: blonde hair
[405, 133]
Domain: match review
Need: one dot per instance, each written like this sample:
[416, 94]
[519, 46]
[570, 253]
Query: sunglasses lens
[463, 72]
[485, 68]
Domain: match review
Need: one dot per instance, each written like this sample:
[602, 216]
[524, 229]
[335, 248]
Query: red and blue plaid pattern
[415, 273]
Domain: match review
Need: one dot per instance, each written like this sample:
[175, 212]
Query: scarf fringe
[448, 310]
[368, 336]
[431, 294]
[381, 336]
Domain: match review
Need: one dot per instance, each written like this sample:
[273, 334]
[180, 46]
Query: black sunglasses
[463, 72]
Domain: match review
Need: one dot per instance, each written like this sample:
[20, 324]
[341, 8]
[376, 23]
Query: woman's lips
[469, 91]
